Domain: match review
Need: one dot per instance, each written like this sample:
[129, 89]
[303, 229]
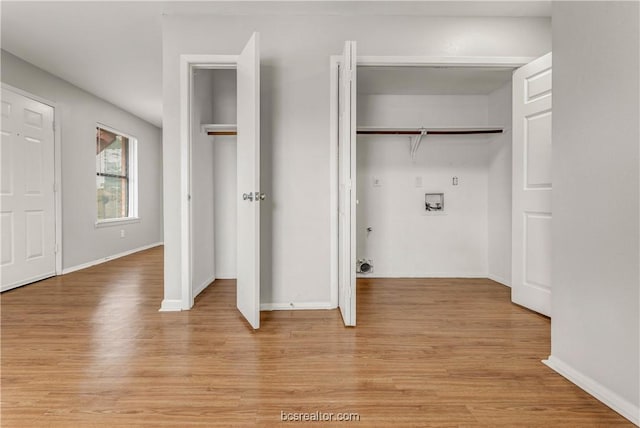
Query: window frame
[131, 179]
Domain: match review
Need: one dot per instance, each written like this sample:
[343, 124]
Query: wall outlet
[122, 233]
[376, 182]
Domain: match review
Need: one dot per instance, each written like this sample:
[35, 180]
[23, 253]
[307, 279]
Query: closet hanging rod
[397, 132]
[222, 133]
[472, 131]
[427, 131]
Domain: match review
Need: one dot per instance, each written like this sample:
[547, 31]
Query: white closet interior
[213, 176]
[467, 171]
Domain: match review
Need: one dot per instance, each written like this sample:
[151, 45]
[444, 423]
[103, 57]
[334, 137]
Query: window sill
[117, 221]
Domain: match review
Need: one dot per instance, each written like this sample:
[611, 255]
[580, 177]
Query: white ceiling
[431, 80]
[114, 49]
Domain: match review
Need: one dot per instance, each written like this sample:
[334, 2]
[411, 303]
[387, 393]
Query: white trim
[200, 288]
[292, 306]
[596, 389]
[392, 61]
[187, 63]
[57, 118]
[115, 130]
[333, 177]
[211, 62]
[499, 279]
[226, 276]
[170, 305]
[426, 275]
[28, 95]
[57, 167]
[109, 258]
[116, 221]
[185, 182]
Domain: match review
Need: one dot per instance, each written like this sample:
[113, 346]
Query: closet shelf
[416, 134]
[450, 130]
[220, 129]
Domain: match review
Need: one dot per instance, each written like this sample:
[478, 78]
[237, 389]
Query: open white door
[27, 226]
[248, 140]
[531, 282]
[347, 188]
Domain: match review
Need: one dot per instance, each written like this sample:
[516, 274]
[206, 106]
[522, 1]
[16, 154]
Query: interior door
[27, 226]
[347, 187]
[248, 140]
[531, 282]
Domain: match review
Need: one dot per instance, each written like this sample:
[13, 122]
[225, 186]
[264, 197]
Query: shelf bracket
[414, 142]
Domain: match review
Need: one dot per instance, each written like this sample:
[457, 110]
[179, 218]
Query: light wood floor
[91, 349]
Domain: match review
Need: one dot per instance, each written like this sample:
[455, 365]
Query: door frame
[57, 167]
[334, 110]
[188, 64]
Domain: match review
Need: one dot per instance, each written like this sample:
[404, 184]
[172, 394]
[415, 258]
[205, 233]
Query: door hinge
[53, 125]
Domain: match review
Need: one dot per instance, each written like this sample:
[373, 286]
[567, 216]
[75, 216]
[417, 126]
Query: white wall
[500, 162]
[406, 241]
[225, 176]
[80, 111]
[226, 207]
[596, 298]
[295, 229]
[213, 179]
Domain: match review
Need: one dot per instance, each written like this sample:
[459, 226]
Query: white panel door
[27, 217]
[248, 140]
[531, 286]
[347, 188]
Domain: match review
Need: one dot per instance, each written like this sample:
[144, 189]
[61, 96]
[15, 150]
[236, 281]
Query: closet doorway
[220, 128]
[432, 180]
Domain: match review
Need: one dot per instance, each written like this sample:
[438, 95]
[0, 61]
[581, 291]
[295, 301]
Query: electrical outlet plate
[376, 181]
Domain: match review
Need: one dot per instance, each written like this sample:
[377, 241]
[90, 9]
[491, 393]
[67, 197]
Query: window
[116, 187]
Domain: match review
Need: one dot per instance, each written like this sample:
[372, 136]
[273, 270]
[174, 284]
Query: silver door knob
[248, 196]
[263, 196]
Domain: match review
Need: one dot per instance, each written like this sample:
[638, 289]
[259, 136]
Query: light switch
[418, 181]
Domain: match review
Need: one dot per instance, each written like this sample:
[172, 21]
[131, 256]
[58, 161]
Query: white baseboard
[169, 305]
[424, 275]
[595, 388]
[226, 276]
[199, 289]
[109, 258]
[296, 306]
[499, 279]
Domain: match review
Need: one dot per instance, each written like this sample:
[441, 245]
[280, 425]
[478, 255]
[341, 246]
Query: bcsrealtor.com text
[319, 416]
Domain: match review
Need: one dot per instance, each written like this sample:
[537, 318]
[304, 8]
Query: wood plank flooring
[91, 349]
